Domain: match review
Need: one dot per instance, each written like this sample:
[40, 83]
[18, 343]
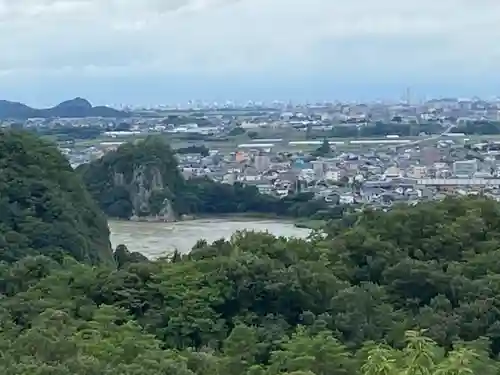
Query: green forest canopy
[415, 291]
[44, 207]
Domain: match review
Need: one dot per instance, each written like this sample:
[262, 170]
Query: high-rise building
[465, 168]
[319, 168]
[262, 162]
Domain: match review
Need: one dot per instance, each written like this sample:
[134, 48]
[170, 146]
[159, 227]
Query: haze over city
[158, 51]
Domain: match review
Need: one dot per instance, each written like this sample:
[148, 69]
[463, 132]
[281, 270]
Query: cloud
[338, 38]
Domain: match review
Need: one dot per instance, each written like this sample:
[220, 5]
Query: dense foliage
[352, 300]
[381, 129]
[66, 133]
[44, 208]
[323, 150]
[204, 196]
[193, 149]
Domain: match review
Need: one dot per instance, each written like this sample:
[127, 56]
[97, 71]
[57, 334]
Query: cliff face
[149, 196]
[136, 181]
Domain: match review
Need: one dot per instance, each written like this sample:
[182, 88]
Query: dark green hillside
[44, 208]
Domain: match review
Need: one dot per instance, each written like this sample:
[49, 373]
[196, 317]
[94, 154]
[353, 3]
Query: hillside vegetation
[44, 207]
[412, 291]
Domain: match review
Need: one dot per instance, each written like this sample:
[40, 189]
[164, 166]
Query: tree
[240, 349]
[124, 257]
[238, 130]
[202, 150]
[324, 149]
[252, 134]
[44, 207]
[423, 356]
[321, 354]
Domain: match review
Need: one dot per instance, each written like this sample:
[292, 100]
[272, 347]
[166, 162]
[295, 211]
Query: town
[372, 154]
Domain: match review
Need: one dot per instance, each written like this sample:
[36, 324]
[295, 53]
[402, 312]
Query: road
[431, 138]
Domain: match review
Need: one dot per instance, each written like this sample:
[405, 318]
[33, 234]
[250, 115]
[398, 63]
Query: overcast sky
[156, 51]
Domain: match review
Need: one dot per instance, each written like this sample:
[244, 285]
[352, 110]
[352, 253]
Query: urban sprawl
[374, 154]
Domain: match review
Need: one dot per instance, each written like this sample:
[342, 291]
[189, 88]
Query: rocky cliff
[149, 196]
[137, 181]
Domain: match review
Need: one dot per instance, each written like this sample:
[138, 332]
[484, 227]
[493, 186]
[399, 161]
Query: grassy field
[287, 135]
[226, 145]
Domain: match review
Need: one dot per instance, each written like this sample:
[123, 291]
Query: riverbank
[310, 224]
[229, 216]
[241, 216]
[302, 223]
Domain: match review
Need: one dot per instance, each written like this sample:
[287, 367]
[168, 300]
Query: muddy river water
[155, 239]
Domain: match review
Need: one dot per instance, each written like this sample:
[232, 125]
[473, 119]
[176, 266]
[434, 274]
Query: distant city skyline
[142, 52]
[126, 94]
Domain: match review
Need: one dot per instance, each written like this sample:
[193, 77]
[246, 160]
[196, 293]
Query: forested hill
[411, 291]
[44, 207]
[142, 179]
[77, 107]
[138, 179]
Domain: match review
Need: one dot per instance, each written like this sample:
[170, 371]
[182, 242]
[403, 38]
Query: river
[155, 239]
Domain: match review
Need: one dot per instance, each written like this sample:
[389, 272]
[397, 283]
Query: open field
[232, 143]
[280, 138]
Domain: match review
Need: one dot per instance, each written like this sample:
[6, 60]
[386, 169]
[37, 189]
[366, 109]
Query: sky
[167, 51]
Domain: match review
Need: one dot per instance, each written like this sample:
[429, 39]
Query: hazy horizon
[150, 92]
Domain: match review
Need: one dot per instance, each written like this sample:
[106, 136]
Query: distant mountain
[77, 107]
